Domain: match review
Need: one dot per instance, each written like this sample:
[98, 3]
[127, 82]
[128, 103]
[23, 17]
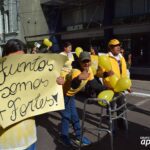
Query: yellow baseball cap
[114, 42]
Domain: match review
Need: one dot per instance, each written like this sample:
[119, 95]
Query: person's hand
[60, 80]
[129, 90]
[108, 74]
[84, 75]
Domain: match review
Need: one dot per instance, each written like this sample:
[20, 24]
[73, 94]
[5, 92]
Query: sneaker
[65, 140]
[85, 141]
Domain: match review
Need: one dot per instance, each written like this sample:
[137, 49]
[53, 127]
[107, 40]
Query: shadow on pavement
[137, 109]
[121, 140]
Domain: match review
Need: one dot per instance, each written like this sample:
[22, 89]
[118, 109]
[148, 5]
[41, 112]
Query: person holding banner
[119, 69]
[79, 77]
[35, 48]
[21, 135]
[45, 46]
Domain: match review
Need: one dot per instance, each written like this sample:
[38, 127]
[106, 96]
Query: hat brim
[85, 58]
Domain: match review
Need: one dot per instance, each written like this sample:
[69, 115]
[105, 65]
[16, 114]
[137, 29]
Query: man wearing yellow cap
[118, 67]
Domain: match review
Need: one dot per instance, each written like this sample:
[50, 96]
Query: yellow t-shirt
[68, 65]
[94, 63]
[19, 136]
[115, 68]
[74, 73]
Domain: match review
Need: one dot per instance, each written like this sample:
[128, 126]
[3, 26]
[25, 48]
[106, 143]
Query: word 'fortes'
[22, 110]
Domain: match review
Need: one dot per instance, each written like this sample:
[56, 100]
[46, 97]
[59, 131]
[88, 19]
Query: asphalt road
[138, 119]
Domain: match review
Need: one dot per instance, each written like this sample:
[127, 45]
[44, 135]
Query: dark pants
[120, 101]
[32, 147]
[70, 115]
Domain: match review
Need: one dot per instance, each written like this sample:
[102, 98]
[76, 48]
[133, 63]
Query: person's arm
[129, 59]
[75, 83]
[107, 74]
[77, 80]
[97, 87]
[103, 74]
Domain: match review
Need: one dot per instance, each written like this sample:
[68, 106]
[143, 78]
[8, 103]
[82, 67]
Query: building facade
[21, 18]
[85, 22]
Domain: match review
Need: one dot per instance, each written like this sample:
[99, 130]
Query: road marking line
[138, 104]
[140, 94]
[142, 102]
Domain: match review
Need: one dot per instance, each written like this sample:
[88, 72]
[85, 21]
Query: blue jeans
[32, 147]
[70, 115]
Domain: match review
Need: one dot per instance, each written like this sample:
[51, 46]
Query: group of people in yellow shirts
[75, 75]
[80, 73]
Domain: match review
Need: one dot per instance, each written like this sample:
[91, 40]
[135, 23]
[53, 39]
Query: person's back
[21, 135]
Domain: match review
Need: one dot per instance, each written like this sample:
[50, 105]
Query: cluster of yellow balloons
[78, 50]
[47, 42]
[117, 84]
[121, 85]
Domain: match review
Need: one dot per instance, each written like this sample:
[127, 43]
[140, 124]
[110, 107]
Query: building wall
[22, 18]
[32, 19]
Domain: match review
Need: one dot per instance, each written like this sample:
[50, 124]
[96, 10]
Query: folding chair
[112, 115]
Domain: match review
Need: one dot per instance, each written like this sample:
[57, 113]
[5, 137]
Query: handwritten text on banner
[28, 86]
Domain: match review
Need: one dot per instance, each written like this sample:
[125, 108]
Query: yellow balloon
[104, 62]
[122, 84]
[78, 50]
[107, 95]
[47, 42]
[113, 80]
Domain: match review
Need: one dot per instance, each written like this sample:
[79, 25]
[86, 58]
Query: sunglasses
[85, 61]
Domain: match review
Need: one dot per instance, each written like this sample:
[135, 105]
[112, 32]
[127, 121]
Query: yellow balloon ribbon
[47, 42]
[104, 62]
[123, 84]
[105, 95]
[78, 50]
[113, 80]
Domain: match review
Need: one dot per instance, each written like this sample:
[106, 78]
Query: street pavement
[138, 103]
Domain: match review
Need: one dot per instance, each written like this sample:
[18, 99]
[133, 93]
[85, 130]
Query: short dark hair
[66, 44]
[14, 45]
